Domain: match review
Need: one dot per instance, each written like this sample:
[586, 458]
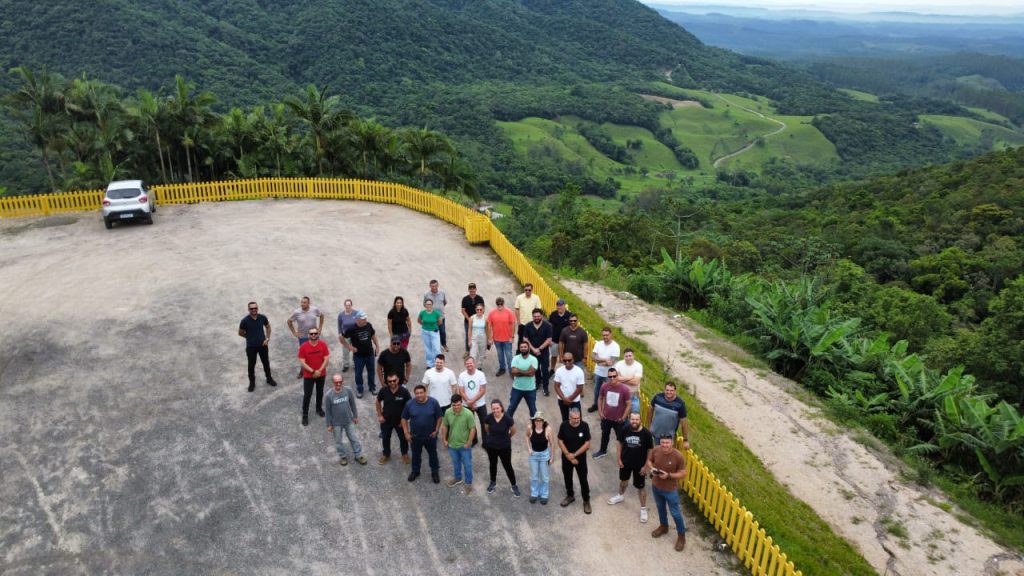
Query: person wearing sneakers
[635, 447]
[361, 341]
[313, 360]
[574, 441]
[342, 418]
[668, 467]
[612, 407]
[421, 420]
[499, 429]
[538, 446]
[255, 328]
[458, 430]
[390, 403]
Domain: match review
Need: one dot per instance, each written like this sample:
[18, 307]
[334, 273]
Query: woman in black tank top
[538, 443]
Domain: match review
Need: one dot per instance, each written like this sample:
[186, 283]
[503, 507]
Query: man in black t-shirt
[538, 334]
[469, 302]
[559, 320]
[390, 403]
[255, 328]
[635, 447]
[574, 441]
[364, 348]
[395, 360]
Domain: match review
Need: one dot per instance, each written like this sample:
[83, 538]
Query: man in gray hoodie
[341, 418]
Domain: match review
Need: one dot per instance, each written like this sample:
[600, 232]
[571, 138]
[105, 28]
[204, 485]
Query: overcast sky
[960, 7]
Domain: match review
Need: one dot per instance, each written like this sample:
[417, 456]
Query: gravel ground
[130, 445]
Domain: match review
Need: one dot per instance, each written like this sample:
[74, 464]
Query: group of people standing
[456, 410]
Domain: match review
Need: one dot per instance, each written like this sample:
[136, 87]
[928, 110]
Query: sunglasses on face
[314, 333]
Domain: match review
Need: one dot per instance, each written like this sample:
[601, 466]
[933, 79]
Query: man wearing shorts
[635, 448]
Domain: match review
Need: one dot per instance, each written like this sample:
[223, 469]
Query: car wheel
[108, 224]
[149, 220]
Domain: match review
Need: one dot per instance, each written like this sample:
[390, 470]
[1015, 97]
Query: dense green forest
[453, 66]
[991, 82]
[899, 298]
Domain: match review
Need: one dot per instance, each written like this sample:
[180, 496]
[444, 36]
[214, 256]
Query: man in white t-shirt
[473, 388]
[605, 353]
[440, 382]
[631, 373]
[569, 381]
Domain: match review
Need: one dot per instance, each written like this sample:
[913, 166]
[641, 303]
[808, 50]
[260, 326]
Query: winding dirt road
[752, 143]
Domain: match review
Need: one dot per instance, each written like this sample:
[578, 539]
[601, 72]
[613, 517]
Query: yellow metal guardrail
[723, 510]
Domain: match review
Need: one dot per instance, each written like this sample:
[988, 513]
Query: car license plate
[123, 216]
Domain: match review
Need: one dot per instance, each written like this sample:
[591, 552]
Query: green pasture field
[967, 131]
[986, 113]
[800, 142]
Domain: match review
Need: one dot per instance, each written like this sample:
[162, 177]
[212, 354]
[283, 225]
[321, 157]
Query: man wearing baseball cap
[362, 341]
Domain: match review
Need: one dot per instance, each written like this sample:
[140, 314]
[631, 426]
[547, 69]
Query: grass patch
[1000, 524]
[971, 132]
[807, 540]
[858, 95]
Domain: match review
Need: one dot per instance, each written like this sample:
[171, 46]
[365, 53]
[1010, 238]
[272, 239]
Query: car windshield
[121, 193]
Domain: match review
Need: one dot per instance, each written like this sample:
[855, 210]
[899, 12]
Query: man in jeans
[524, 385]
[364, 348]
[668, 467]
[503, 330]
[458, 429]
[612, 406]
[313, 358]
[574, 441]
[390, 403]
[342, 418]
[421, 422]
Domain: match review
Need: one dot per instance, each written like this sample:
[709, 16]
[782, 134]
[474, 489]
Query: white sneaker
[643, 515]
[616, 499]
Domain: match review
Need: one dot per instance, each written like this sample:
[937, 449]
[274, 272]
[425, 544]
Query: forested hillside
[450, 65]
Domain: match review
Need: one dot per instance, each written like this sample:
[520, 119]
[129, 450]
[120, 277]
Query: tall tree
[38, 104]
[322, 115]
[147, 112]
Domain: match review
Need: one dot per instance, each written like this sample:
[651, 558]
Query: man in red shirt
[313, 356]
[503, 329]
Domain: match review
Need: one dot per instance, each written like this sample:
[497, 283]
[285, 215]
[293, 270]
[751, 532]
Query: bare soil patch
[898, 526]
[130, 444]
[672, 101]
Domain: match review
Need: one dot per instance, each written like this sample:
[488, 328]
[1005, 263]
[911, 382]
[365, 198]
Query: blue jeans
[519, 395]
[540, 473]
[431, 346]
[670, 499]
[353, 437]
[418, 444]
[444, 334]
[462, 462]
[634, 401]
[367, 363]
[598, 382]
[504, 350]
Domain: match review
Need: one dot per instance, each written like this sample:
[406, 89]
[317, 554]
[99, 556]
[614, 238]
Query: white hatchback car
[127, 200]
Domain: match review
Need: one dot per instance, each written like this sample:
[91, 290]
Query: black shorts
[639, 480]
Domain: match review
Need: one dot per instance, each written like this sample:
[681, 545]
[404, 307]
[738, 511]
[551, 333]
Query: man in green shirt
[524, 385]
[458, 428]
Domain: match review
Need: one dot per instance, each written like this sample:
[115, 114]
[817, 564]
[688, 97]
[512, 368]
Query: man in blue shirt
[667, 414]
[421, 421]
[255, 328]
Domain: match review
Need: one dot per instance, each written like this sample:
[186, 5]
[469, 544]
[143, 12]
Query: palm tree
[147, 112]
[369, 139]
[323, 115]
[39, 105]
[427, 150]
[191, 114]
